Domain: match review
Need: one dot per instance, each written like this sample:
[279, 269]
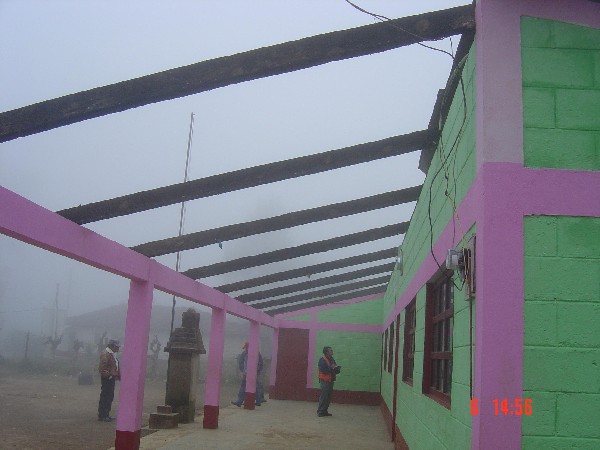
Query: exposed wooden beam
[250, 177]
[445, 98]
[215, 73]
[328, 300]
[308, 270]
[323, 292]
[319, 282]
[293, 219]
[298, 251]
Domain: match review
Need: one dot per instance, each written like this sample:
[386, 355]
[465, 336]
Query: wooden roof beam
[307, 270]
[319, 282]
[328, 300]
[298, 251]
[324, 292]
[293, 219]
[250, 177]
[215, 73]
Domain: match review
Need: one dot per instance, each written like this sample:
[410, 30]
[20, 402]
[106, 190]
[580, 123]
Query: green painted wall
[561, 95]
[562, 332]
[453, 170]
[424, 423]
[359, 355]
[561, 105]
[368, 313]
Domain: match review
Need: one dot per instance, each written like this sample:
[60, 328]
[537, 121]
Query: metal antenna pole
[182, 211]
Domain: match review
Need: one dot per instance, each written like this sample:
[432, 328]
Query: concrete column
[212, 388]
[133, 366]
[274, 350]
[252, 365]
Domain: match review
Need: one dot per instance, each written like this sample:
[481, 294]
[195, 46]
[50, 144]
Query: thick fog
[50, 49]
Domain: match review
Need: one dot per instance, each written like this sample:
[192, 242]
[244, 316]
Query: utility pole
[182, 211]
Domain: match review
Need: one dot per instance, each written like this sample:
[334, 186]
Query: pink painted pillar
[312, 350]
[274, 350]
[212, 389]
[500, 302]
[252, 365]
[133, 366]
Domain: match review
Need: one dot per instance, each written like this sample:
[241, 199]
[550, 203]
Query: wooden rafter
[319, 282]
[250, 177]
[328, 300]
[240, 230]
[298, 251]
[324, 292]
[308, 270]
[215, 73]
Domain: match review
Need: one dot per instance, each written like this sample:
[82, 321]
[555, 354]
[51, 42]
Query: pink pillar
[274, 350]
[212, 389]
[312, 350]
[133, 366]
[252, 365]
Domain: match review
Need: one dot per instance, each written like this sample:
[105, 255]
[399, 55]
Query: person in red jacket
[328, 369]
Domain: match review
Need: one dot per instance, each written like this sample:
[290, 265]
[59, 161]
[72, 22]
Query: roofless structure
[496, 283]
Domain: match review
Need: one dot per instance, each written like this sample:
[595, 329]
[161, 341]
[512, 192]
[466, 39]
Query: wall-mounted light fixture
[399, 267]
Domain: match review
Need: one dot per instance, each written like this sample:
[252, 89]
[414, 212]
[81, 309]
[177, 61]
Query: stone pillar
[185, 347]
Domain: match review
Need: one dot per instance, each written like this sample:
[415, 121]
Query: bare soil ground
[55, 412]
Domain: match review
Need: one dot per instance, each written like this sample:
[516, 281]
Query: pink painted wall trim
[24, 220]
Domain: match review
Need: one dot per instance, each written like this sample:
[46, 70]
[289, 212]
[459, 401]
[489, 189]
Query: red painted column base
[249, 401]
[128, 440]
[211, 417]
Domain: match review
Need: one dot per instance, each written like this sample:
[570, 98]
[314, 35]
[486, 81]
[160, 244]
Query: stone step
[161, 421]
[164, 409]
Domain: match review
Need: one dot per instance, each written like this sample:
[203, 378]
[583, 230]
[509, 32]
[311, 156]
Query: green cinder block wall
[424, 423]
[561, 360]
[561, 95]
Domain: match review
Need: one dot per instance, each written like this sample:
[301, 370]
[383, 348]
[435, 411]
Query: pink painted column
[133, 366]
[498, 361]
[252, 365]
[212, 389]
[312, 342]
[274, 350]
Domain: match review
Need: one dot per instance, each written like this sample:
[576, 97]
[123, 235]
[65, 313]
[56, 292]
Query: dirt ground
[55, 412]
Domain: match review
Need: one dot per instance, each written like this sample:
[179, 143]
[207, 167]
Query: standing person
[242, 366]
[109, 374]
[328, 369]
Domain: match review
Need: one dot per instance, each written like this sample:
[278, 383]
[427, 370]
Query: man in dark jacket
[242, 366]
[109, 374]
[328, 369]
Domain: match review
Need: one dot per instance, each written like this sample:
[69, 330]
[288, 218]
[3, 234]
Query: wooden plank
[215, 73]
[250, 177]
[323, 292]
[293, 219]
[308, 270]
[298, 251]
[319, 282]
[328, 300]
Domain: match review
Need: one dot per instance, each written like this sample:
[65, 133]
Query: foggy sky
[50, 49]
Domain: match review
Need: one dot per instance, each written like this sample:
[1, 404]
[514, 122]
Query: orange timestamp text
[507, 407]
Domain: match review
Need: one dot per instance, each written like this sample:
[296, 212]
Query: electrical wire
[393, 25]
